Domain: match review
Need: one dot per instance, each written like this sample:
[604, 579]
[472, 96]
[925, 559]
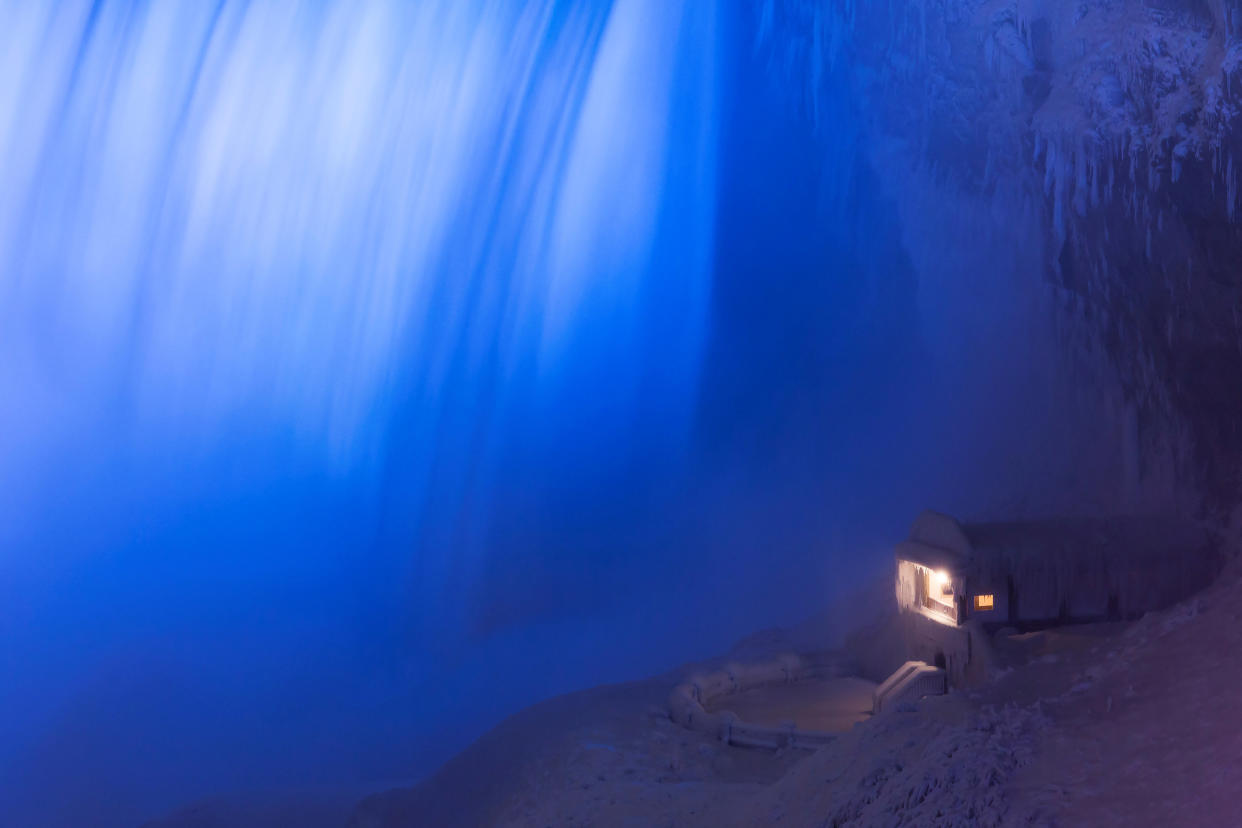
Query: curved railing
[686, 703]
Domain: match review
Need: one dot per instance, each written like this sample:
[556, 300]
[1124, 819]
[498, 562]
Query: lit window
[984, 602]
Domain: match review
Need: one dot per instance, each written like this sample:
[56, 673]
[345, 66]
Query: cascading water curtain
[378, 241]
[325, 222]
[280, 209]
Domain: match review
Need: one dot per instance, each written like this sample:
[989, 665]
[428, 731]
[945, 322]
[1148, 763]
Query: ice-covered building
[954, 578]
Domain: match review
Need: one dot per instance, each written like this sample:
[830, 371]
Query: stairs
[909, 683]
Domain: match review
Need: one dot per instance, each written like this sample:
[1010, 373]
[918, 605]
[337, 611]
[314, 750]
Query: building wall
[1090, 569]
[999, 614]
[906, 594]
[943, 645]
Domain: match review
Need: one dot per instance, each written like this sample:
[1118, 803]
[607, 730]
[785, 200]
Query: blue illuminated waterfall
[302, 218]
[372, 370]
[347, 229]
[288, 291]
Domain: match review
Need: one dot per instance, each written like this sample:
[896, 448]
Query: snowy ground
[1119, 724]
[1147, 728]
[1109, 725]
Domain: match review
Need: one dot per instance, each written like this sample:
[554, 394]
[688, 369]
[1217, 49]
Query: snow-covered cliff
[1089, 157]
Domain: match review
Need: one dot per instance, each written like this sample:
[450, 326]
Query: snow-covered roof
[1122, 540]
[1074, 565]
[941, 531]
[1071, 563]
[937, 541]
[930, 556]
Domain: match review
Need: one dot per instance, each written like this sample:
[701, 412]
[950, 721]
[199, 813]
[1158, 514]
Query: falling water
[288, 291]
[307, 219]
[371, 370]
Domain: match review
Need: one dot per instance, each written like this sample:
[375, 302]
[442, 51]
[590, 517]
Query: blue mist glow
[371, 370]
[288, 289]
[263, 215]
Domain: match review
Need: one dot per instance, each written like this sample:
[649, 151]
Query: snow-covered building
[954, 577]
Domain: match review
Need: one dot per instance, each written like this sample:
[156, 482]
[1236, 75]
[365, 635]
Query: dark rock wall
[1099, 138]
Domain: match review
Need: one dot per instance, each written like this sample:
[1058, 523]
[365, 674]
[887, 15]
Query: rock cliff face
[1092, 148]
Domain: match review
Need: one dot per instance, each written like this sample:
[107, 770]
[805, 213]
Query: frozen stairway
[909, 683]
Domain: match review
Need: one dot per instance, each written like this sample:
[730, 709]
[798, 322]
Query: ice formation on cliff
[1104, 132]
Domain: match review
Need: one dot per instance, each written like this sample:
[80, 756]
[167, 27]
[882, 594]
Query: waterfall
[305, 215]
[254, 255]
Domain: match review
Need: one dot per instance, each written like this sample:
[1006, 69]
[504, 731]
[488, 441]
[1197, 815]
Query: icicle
[1058, 210]
[1095, 181]
[1179, 153]
[1231, 189]
[1080, 182]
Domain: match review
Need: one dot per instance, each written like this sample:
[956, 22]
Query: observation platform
[828, 705]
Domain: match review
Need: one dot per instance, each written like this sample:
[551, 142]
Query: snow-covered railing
[910, 682]
[687, 700]
[889, 683]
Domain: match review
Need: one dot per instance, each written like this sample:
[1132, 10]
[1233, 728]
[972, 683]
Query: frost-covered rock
[1119, 121]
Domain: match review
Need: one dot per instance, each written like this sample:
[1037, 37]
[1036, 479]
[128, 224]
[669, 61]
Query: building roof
[1071, 565]
[941, 531]
[932, 557]
[939, 540]
[1124, 539]
[936, 541]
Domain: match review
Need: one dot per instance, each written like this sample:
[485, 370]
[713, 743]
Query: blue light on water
[369, 370]
[284, 283]
[293, 213]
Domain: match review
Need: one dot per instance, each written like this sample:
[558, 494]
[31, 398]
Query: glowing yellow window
[984, 602]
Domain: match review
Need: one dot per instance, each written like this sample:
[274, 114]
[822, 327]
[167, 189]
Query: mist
[373, 370]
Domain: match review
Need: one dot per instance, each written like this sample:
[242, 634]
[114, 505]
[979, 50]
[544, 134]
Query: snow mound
[957, 777]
